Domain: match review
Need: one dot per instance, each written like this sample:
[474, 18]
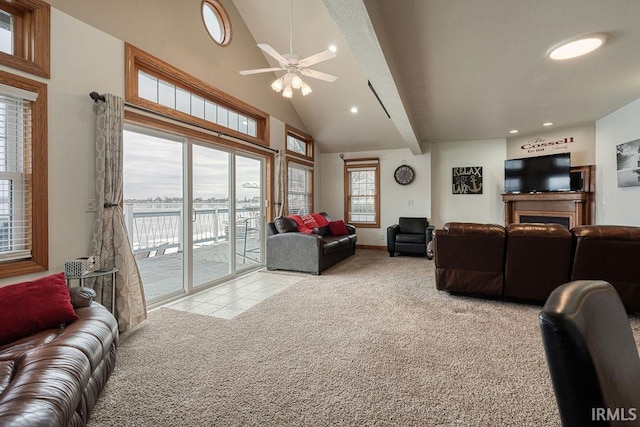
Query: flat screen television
[538, 174]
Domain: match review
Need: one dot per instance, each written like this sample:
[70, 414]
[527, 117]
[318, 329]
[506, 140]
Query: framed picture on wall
[467, 180]
[628, 163]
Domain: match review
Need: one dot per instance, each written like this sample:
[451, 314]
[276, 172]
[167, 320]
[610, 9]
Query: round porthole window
[216, 21]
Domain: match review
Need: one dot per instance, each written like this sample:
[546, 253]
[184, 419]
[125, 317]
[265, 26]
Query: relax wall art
[467, 180]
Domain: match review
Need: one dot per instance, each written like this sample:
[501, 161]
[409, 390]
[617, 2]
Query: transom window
[299, 143]
[362, 192]
[164, 93]
[6, 32]
[25, 35]
[157, 86]
[216, 21]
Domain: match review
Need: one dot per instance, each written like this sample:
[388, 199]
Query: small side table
[98, 273]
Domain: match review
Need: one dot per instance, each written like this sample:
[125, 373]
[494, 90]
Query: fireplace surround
[568, 208]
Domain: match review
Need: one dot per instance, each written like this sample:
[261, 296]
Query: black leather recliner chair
[410, 235]
[592, 355]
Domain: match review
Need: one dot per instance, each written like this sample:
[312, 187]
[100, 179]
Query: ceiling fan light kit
[294, 66]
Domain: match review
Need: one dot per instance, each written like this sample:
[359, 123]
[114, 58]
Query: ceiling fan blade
[273, 53]
[259, 70]
[319, 75]
[315, 59]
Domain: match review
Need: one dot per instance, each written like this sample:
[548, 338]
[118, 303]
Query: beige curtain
[280, 183]
[110, 240]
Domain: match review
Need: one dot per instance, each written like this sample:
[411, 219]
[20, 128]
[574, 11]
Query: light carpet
[369, 342]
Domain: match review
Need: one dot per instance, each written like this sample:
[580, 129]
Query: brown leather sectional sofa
[528, 261]
[54, 377]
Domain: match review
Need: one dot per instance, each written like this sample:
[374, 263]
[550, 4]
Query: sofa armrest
[81, 296]
[351, 228]
[294, 251]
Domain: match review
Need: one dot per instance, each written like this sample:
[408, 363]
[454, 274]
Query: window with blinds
[299, 189]
[15, 177]
[362, 192]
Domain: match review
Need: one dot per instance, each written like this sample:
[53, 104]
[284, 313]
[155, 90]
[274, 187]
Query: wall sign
[579, 141]
[467, 180]
[628, 163]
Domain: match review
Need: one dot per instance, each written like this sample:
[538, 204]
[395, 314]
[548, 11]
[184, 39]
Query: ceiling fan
[294, 66]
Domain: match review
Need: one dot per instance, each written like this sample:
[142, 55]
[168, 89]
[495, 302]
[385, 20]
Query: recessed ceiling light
[333, 48]
[354, 110]
[576, 46]
[513, 131]
[548, 124]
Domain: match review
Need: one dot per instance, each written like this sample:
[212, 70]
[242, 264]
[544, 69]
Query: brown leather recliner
[469, 258]
[611, 253]
[538, 260]
[591, 354]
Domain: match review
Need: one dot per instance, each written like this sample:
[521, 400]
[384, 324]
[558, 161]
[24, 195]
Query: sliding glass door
[154, 210]
[194, 212]
[249, 212]
[210, 214]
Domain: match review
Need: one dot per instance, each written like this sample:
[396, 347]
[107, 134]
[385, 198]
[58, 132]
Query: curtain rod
[96, 97]
[201, 128]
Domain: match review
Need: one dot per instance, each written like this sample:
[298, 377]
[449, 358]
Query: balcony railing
[153, 227]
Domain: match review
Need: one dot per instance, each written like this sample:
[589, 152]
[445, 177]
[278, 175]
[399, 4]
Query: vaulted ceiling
[451, 70]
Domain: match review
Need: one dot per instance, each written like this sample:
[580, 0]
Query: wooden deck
[162, 274]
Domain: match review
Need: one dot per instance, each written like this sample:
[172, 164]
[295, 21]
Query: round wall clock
[404, 175]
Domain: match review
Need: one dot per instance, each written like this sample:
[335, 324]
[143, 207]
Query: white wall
[394, 198]
[616, 205]
[483, 208]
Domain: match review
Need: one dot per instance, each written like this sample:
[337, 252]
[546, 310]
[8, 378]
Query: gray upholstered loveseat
[288, 248]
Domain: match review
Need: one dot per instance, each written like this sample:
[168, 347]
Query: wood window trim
[305, 137]
[139, 60]
[31, 37]
[364, 162]
[302, 163]
[39, 177]
[208, 138]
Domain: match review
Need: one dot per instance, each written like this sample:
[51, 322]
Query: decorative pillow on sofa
[285, 224]
[338, 228]
[30, 307]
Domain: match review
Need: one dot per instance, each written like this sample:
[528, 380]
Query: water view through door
[249, 212]
[193, 212]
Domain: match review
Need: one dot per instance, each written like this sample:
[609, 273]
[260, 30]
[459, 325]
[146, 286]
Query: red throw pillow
[338, 228]
[301, 225]
[30, 307]
[320, 219]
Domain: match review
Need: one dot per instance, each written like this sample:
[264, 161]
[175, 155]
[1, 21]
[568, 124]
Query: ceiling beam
[355, 24]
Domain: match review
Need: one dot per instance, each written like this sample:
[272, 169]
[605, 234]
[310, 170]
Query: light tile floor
[236, 296]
